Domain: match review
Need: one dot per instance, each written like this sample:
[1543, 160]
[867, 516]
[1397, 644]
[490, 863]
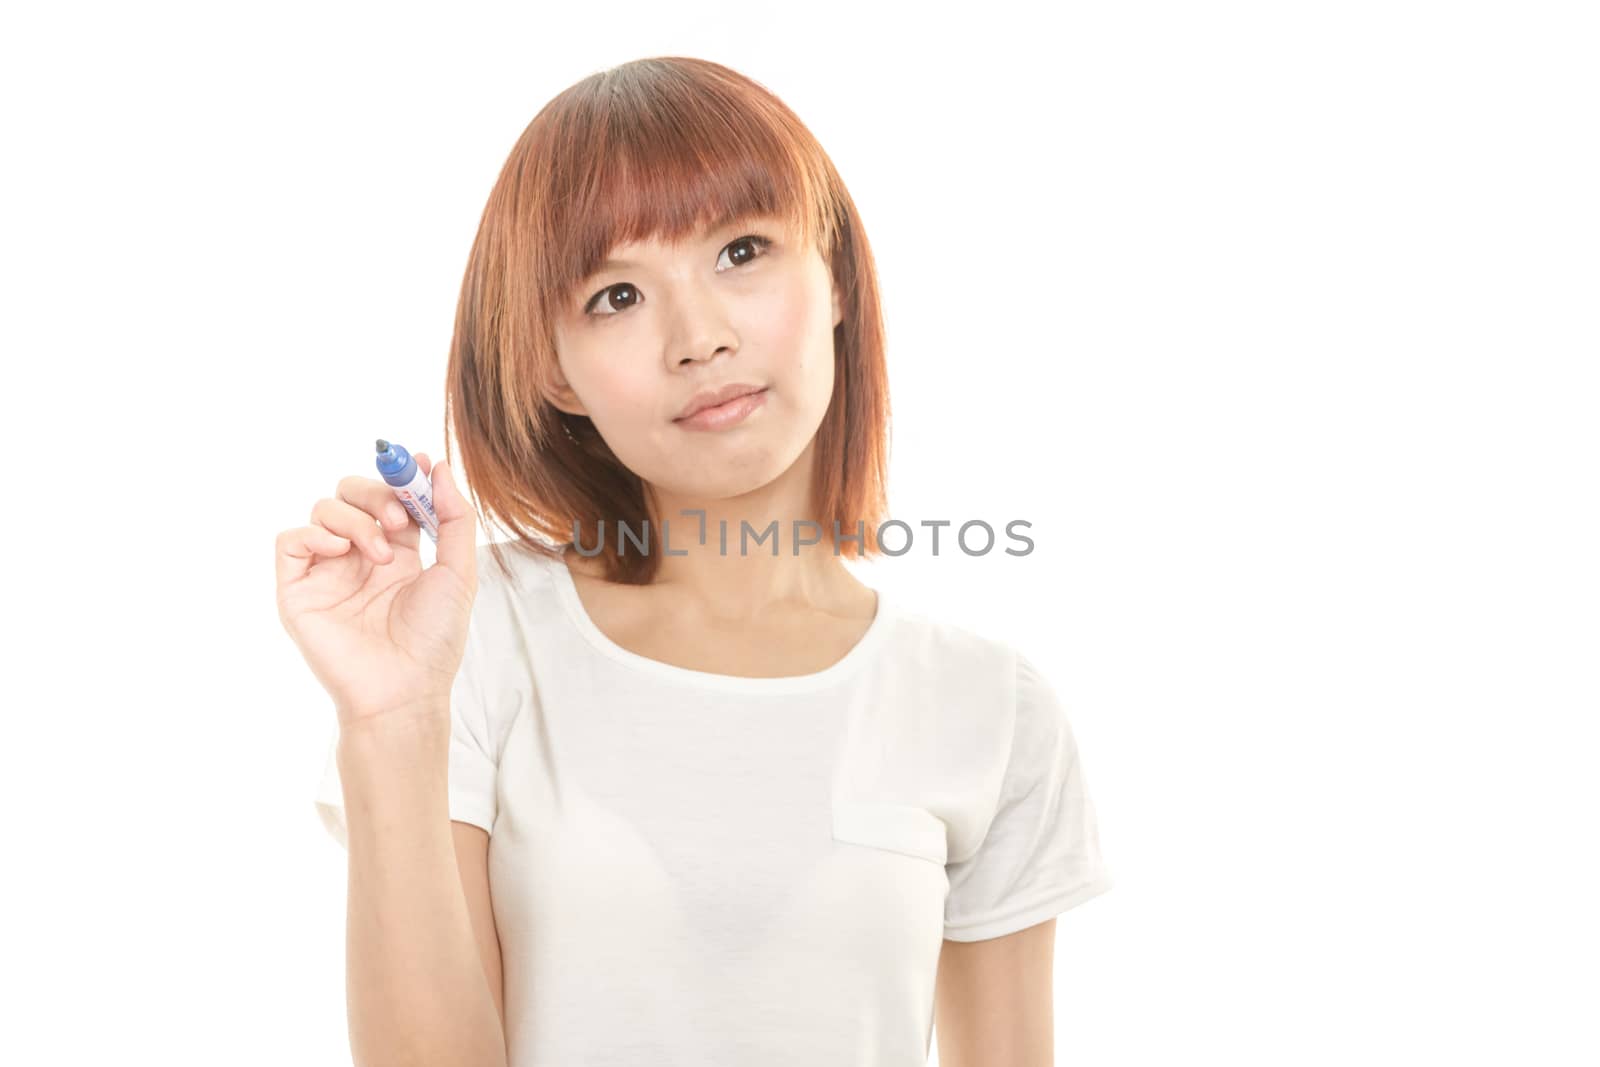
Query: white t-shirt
[697, 868]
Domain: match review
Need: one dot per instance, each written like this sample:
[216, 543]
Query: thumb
[458, 525]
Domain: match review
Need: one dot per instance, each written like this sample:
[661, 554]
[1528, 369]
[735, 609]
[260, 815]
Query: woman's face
[659, 323]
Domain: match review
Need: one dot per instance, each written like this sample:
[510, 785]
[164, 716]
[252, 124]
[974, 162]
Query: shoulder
[507, 569]
[948, 649]
[515, 584]
[965, 676]
[984, 678]
[511, 617]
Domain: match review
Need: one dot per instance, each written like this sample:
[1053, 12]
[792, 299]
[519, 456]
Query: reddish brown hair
[655, 148]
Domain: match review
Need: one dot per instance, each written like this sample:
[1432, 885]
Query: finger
[376, 498]
[401, 527]
[458, 526]
[298, 549]
[408, 534]
[423, 461]
[351, 522]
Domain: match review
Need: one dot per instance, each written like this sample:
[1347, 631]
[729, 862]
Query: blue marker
[409, 484]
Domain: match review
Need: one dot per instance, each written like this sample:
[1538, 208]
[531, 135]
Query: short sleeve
[474, 750]
[1041, 853]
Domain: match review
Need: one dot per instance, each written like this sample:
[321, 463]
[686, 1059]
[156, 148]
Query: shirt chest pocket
[902, 828]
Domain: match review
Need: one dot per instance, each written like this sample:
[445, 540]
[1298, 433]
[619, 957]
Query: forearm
[415, 984]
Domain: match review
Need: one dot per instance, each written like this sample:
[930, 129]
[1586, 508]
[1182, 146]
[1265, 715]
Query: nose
[701, 330]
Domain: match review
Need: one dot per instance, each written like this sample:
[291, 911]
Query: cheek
[798, 334]
[788, 315]
[616, 398]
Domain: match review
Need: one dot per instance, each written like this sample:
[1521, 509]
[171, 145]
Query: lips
[727, 415]
[711, 398]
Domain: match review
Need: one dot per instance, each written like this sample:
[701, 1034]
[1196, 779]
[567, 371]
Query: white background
[1278, 321]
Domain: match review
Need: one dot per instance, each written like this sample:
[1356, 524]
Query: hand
[382, 635]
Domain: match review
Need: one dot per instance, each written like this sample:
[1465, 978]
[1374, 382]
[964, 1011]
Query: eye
[630, 294]
[752, 240]
[755, 247]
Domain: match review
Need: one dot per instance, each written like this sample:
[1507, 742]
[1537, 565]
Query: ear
[559, 392]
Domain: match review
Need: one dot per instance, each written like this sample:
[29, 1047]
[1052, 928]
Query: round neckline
[567, 591]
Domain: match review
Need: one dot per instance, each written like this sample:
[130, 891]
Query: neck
[749, 553]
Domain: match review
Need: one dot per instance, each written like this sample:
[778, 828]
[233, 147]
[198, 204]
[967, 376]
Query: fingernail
[396, 514]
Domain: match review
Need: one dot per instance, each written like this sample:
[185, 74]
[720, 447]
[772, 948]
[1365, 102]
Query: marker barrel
[411, 487]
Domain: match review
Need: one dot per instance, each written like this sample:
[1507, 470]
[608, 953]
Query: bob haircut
[654, 148]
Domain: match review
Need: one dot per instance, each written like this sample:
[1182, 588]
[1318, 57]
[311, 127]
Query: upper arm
[994, 1000]
[472, 857]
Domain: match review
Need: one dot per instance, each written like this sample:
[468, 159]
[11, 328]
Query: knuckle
[354, 487]
[363, 494]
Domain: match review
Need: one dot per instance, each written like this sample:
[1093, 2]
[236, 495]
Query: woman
[691, 794]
